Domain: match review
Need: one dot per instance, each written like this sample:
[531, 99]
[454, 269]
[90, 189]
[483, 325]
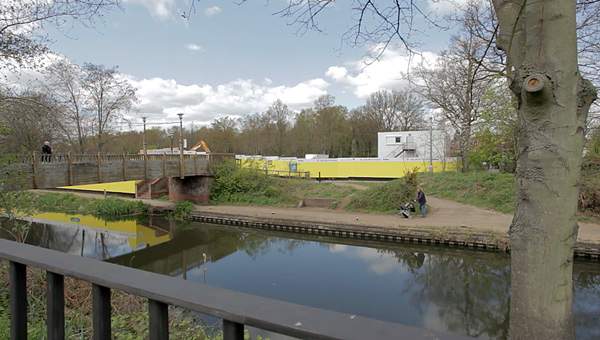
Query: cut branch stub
[534, 83]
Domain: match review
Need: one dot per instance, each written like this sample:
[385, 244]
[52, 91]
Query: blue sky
[231, 59]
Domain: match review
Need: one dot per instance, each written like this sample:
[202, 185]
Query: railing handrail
[234, 308]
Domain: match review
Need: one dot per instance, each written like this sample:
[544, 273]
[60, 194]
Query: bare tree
[396, 110]
[279, 115]
[109, 98]
[455, 86]
[22, 35]
[64, 83]
[29, 121]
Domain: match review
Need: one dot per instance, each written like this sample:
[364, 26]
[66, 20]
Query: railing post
[124, 167]
[55, 319]
[159, 320]
[70, 168]
[232, 330]
[164, 165]
[101, 312]
[18, 301]
[98, 167]
[181, 170]
[145, 165]
[33, 170]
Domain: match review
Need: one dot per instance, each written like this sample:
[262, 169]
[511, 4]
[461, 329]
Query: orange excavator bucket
[201, 145]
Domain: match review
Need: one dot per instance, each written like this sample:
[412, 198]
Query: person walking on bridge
[422, 201]
[46, 152]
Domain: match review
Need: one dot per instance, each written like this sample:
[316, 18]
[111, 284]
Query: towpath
[443, 214]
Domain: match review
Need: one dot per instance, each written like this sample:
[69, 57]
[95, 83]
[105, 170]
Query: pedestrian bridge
[59, 170]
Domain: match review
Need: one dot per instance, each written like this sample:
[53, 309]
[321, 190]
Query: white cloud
[337, 72]
[164, 98]
[27, 78]
[213, 10]
[159, 8]
[445, 7]
[194, 47]
[365, 76]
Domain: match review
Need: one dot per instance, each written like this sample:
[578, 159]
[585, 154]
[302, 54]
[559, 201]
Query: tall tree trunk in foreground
[553, 101]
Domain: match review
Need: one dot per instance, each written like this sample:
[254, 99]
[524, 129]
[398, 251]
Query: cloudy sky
[230, 59]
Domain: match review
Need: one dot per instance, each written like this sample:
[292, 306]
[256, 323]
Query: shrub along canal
[447, 289]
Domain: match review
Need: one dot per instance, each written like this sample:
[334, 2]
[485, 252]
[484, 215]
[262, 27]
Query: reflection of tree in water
[586, 277]
[469, 290]
[259, 244]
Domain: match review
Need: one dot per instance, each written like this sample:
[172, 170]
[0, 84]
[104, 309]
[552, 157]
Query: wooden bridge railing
[57, 170]
[236, 309]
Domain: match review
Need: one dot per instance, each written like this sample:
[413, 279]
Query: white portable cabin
[411, 145]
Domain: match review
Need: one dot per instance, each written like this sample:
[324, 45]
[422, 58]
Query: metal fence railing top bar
[236, 309]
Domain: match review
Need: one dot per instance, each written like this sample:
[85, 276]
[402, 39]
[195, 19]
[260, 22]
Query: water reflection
[93, 237]
[458, 291]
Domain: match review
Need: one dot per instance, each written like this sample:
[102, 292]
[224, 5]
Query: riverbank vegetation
[496, 190]
[235, 185]
[385, 197]
[129, 313]
[106, 208]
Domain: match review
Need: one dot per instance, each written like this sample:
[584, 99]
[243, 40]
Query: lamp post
[181, 172]
[145, 145]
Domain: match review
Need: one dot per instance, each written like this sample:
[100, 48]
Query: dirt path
[443, 213]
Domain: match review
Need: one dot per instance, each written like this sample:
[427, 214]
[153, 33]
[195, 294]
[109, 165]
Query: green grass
[106, 208]
[234, 185]
[383, 198]
[482, 189]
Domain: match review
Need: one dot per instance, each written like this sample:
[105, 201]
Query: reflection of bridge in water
[187, 249]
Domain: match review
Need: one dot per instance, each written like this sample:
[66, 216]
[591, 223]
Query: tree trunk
[553, 101]
[464, 145]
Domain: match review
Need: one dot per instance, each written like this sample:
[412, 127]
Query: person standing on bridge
[46, 152]
[422, 201]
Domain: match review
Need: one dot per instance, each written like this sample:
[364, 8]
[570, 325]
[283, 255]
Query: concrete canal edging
[453, 236]
[462, 237]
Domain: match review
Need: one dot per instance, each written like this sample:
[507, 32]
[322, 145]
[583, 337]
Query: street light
[181, 172]
[145, 150]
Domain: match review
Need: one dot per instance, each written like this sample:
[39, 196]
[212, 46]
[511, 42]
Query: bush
[113, 207]
[589, 195]
[235, 184]
[182, 210]
[386, 197]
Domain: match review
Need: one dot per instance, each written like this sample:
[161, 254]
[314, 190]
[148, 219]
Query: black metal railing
[288, 173]
[236, 309]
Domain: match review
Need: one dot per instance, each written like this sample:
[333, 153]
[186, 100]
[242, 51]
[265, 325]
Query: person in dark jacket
[46, 152]
[422, 202]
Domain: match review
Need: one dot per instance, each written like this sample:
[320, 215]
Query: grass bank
[494, 191]
[234, 185]
[129, 316]
[106, 208]
[385, 197]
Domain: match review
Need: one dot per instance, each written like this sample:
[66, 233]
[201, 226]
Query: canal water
[440, 288]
